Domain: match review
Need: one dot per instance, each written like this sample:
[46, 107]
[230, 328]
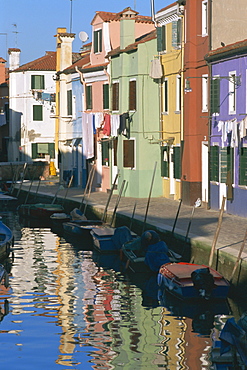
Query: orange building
[195, 145]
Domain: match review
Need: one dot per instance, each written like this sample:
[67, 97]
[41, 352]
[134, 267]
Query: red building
[196, 111]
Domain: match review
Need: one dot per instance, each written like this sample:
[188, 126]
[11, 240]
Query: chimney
[64, 45]
[14, 58]
[127, 27]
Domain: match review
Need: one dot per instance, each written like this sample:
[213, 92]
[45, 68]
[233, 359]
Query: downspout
[152, 12]
[209, 101]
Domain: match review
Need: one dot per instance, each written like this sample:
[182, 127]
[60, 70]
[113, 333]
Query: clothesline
[238, 130]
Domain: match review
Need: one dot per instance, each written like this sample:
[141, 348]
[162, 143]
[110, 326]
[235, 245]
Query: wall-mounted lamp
[187, 86]
[236, 80]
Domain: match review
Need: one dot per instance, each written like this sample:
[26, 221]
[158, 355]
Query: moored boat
[187, 280]
[147, 253]
[39, 210]
[107, 239]
[229, 350]
[6, 240]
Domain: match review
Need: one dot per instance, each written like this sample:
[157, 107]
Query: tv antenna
[16, 33]
[70, 27]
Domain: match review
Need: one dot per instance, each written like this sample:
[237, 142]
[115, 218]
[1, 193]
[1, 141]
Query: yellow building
[170, 50]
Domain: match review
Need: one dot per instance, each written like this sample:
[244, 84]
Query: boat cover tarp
[233, 335]
[121, 236]
[157, 255]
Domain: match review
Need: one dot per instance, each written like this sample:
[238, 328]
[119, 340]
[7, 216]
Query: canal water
[69, 308]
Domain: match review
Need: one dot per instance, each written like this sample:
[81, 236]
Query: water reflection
[70, 307]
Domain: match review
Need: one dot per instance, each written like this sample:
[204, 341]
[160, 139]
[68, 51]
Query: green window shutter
[105, 152]
[177, 162]
[100, 40]
[37, 113]
[226, 163]
[69, 102]
[95, 42]
[174, 34]
[51, 150]
[38, 82]
[243, 167]
[89, 97]
[105, 96]
[230, 160]
[6, 111]
[214, 163]
[223, 165]
[179, 32]
[215, 95]
[34, 150]
[164, 161]
[161, 38]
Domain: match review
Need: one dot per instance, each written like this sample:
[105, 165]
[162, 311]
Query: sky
[30, 25]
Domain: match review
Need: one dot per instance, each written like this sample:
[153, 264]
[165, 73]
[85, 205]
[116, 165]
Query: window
[176, 34]
[215, 96]
[97, 41]
[115, 146]
[243, 167]
[232, 93]
[226, 164]
[204, 93]
[178, 94]
[69, 102]
[161, 38]
[40, 150]
[38, 82]
[177, 162]
[165, 98]
[132, 95]
[205, 18]
[89, 97]
[106, 96]
[115, 96]
[129, 153]
[214, 163]
[164, 161]
[105, 152]
[37, 112]
[6, 111]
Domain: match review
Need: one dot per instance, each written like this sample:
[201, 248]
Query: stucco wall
[229, 22]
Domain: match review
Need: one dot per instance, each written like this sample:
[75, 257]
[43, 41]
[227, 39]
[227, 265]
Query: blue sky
[30, 25]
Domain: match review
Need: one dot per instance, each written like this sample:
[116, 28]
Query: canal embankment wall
[191, 233]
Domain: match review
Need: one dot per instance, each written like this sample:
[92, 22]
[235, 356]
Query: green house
[135, 96]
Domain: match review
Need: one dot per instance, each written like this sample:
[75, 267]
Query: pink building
[106, 37]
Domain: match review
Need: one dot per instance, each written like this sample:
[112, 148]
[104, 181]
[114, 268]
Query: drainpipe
[152, 11]
[209, 101]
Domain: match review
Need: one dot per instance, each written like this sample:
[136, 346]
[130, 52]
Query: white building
[32, 108]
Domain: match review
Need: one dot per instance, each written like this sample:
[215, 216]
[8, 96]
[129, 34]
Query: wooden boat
[80, 228]
[107, 239]
[229, 350]
[6, 241]
[146, 255]
[39, 210]
[187, 280]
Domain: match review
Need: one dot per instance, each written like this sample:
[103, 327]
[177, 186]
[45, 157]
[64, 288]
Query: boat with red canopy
[187, 280]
